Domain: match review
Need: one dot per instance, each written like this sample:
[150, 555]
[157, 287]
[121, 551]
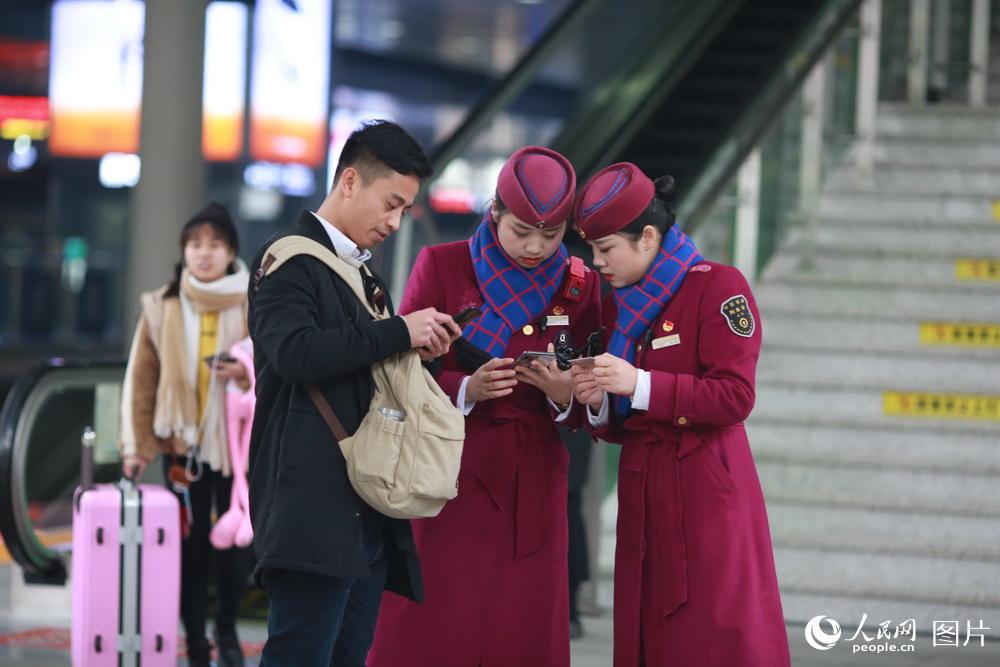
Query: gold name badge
[557, 321]
[666, 341]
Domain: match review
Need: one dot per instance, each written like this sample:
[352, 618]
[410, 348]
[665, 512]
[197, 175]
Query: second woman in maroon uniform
[694, 572]
[494, 560]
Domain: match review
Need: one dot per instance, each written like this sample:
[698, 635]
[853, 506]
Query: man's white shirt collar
[346, 248]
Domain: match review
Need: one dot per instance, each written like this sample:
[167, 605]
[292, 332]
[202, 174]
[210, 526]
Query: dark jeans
[319, 621]
[231, 566]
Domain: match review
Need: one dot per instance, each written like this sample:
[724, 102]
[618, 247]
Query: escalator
[685, 87]
[748, 69]
[41, 424]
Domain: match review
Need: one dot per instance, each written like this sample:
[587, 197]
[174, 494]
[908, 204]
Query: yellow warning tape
[55, 538]
[977, 269]
[940, 406]
[964, 334]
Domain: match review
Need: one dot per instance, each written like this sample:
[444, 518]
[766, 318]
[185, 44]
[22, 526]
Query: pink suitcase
[125, 574]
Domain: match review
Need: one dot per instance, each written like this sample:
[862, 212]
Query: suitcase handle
[87, 440]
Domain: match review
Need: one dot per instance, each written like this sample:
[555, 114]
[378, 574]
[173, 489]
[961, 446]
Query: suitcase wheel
[161, 536]
[159, 643]
[100, 537]
[98, 645]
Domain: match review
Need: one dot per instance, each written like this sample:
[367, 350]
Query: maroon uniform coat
[494, 560]
[695, 584]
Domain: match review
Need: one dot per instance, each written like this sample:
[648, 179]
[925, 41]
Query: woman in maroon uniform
[694, 570]
[494, 560]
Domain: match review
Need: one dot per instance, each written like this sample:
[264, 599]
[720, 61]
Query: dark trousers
[579, 562]
[319, 621]
[198, 556]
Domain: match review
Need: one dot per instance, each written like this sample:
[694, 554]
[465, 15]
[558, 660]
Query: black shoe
[575, 629]
[230, 651]
[199, 652]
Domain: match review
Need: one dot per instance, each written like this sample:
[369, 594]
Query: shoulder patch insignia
[700, 268]
[736, 310]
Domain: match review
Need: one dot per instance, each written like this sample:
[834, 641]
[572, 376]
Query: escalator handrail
[516, 80]
[504, 91]
[598, 133]
[812, 43]
[40, 564]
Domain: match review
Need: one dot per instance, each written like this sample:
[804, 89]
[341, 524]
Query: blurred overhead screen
[289, 88]
[95, 78]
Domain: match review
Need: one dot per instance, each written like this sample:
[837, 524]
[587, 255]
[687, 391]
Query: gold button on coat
[682, 420]
[528, 330]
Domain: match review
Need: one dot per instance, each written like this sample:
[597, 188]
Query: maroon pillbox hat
[613, 198]
[537, 185]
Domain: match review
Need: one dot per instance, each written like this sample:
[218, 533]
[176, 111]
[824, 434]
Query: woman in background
[173, 403]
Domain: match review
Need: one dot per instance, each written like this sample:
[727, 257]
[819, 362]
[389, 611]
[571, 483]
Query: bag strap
[288, 247]
[326, 412]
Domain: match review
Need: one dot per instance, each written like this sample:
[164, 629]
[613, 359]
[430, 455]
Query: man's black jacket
[308, 327]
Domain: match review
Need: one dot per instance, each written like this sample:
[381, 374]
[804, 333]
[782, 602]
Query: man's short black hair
[381, 147]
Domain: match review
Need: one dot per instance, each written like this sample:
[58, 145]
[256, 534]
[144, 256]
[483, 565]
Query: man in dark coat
[323, 555]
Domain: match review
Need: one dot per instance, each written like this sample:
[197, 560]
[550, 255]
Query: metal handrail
[600, 131]
[813, 42]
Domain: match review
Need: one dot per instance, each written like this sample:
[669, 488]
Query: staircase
[894, 515]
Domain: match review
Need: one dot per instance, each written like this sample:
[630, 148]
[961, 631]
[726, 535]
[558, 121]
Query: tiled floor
[29, 642]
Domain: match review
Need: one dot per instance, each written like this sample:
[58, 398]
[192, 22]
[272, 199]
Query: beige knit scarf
[176, 394]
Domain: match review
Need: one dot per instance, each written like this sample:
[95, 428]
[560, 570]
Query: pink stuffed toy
[233, 527]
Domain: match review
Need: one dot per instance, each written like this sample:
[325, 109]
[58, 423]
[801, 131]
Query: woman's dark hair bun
[664, 188]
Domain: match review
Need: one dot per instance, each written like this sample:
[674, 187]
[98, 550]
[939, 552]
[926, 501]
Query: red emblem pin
[668, 326]
[558, 310]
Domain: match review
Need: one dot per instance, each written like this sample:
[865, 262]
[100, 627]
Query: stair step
[939, 152]
[901, 238]
[938, 122]
[918, 179]
[911, 491]
[965, 303]
[932, 207]
[961, 375]
[822, 333]
[886, 447]
[826, 406]
[891, 577]
[868, 267]
[873, 532]
[849, 611]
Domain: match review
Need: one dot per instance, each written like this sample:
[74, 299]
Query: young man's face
[377, 204]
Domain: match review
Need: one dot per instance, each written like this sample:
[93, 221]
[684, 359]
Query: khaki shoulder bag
[404, 458]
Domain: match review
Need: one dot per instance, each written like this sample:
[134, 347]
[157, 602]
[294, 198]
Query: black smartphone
[467, 315]
[224, 357]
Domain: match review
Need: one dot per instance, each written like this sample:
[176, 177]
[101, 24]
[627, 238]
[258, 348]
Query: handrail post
[916, 77]
[941, 44]
[867, 98]
[979, 53]
[748, 216]
[811, 147]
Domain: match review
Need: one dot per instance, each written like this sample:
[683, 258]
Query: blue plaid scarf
[513, 296]
[640, 304]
